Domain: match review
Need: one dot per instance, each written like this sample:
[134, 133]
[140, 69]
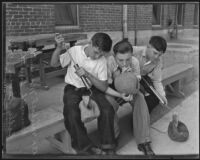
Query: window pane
[66, 14]
[180, 14]
[196, 14]
[156, 14]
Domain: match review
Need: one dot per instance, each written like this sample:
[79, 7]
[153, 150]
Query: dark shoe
[109, 151]
[95, 150]
[146, 149]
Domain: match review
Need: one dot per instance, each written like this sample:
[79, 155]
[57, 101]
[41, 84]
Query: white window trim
[159, 25]
[62, 27]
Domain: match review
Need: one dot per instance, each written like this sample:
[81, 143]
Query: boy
[151, 67]
[92, 65]
[123, 61]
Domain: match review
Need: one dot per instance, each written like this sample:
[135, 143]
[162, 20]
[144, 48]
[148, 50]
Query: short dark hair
[123, 46]
[102, 41]
[159, 43]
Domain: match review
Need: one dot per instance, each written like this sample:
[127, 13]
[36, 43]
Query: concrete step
[188, 112]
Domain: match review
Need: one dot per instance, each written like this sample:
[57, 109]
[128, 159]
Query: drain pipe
[176, 25]
[125, 33]
[135, 22]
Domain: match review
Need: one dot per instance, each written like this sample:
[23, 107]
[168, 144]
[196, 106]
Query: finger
[61, 39]
[78, 74]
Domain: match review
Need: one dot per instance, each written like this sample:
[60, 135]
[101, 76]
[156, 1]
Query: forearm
[112, 92]
[101, 85]
[55, 58]
[159, 88]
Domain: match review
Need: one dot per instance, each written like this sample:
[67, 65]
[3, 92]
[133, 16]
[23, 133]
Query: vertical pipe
[135, 22]
[176, 25]
[125, 34]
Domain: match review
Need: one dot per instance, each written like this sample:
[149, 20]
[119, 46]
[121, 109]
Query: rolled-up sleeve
[102, 72]
[65, 59]
[111, 67]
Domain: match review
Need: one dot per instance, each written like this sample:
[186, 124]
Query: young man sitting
[150, 58]
[92, 65]
[123, 61]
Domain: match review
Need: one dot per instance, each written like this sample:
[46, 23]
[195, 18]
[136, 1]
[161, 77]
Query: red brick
[92, 17]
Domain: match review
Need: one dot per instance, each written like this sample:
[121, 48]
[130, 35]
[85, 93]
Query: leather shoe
[146, 149]
[95, 150]
[109, 151]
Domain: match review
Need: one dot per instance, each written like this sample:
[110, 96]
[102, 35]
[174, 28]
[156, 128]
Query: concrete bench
[44, 124]
[49, 123]
[172, 77]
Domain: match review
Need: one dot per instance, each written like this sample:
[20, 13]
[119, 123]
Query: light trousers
[141, 118]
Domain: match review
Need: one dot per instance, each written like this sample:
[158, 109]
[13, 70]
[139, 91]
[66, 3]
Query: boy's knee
[72, 114]
[140, 96]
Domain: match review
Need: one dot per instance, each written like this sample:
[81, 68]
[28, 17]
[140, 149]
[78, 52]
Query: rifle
[83, 78]
[149, 87]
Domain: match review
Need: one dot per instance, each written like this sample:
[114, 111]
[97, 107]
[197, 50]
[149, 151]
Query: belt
[83, 90]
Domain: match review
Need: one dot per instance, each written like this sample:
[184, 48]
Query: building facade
[137, 22]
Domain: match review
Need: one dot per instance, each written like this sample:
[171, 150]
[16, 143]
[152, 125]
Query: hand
[126, 69]
[59, 41]
[116, 73]
[165, 100]
[126, 98]
[147, 68]
[81, 72]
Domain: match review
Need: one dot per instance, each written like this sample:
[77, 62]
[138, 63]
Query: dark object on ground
[16, 115]
[177, 130]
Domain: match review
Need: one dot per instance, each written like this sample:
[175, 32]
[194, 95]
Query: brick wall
[29, 19]
[144, 17]
[100, 17]
[189, 15]
[131, 17]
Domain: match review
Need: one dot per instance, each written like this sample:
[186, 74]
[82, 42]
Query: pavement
[187, 109]
[188, 112]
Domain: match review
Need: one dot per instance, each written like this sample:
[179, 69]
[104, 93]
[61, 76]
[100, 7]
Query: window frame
[161, 13]
[182, 15]
[196, 25]
[63, 27]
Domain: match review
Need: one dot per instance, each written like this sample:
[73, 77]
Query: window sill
[156, 27]
[180, 26]
[196, 26]
[67, 29]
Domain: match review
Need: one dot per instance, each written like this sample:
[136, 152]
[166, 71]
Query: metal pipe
[135, 22]
[125, 34]
[175, 24]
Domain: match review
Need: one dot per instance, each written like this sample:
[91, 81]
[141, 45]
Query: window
[156, 17]
[196, 14]
[66, 15]
[180, 14]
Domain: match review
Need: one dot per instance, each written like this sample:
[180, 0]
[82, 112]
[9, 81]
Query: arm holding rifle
[157, 82]
[102, 85]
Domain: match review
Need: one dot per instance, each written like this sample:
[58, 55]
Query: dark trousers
[152, 101]
[72, 118]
